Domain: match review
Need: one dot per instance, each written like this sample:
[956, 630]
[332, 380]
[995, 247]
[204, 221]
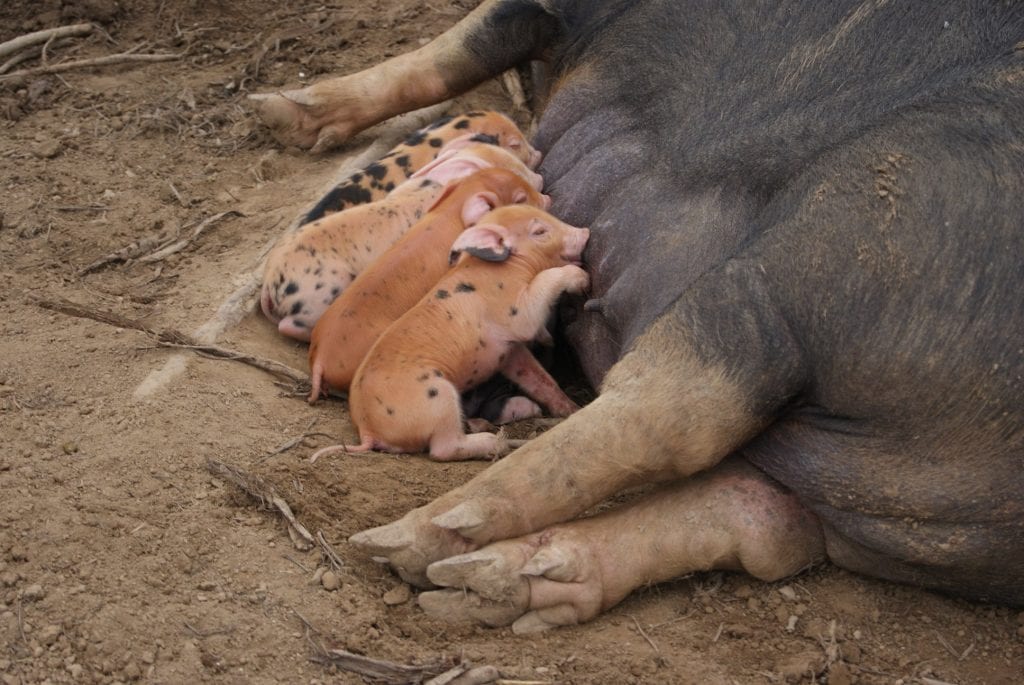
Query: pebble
[330, 581]
[17, 553]
[69, 447]
[132, 671]
[49, 634]
[399, 594]
[840, 674]
[48, 149]
[795, 668]
[148, 657]
[33, 592]
[75, 670]
[788, 592]
[9, 578]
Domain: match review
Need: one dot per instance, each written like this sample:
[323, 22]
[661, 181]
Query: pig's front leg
[731, 518]
[492, 38]
[664, 413]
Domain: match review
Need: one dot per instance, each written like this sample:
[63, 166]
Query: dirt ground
[122, 557]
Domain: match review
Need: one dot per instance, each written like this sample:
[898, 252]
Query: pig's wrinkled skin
[474, 322]
[398, 278]
[807, 257]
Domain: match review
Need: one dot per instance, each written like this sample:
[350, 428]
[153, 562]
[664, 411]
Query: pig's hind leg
[731, 518]
[448, 441]
[492, 38]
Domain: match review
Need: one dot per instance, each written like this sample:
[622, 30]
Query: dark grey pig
[807, 313]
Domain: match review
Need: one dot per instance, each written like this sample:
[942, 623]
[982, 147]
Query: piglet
[475, 322]
[397, 280]
[418, 149]
[311, 267]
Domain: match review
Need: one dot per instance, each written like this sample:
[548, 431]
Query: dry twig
[150, 249]
[328, 553]
[378, 669]
[259, 489]
[173, 338]
[119, 58]
[46, 35]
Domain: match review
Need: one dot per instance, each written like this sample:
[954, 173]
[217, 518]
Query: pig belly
[947, 524]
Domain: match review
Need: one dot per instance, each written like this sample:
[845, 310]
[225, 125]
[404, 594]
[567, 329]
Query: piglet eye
[541, 230]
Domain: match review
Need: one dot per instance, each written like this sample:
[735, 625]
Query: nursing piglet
[311, 267]
[397, 280]
[474, 323]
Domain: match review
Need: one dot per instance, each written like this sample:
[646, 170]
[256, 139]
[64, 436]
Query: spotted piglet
[419, 148]
[311, 267]
[476, 321]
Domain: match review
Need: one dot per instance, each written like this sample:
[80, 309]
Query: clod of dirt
[840, 674]
[48, 635]
[102, 11]
[33, 592]
[796, 667]
[330, 581]
[48, 149]
[397, 595]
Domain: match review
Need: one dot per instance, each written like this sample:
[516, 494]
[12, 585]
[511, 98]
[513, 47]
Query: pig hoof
[383, 540]
[462, 519]
[456, 606]
[534, 583]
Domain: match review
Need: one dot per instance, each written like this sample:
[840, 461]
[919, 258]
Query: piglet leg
[732, 518]
[523, 369]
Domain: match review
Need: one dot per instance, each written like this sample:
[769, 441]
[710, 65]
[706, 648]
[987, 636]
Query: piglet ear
[429, 166]
[455, 168]
[477, 205]
[484, 241]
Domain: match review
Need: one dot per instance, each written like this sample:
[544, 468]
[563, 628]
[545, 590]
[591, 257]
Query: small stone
[399, 594]
[33, 592]
[743, 592]
[49, 634]
[330, 581]
[840, 674]
[17, 553]
[48, 149]
[132, 671]
[852, 652]
[797, 667]
[9, 578]
[69, 447]
[788, 592]
[207, 586]
[148, 657]
[791, 624]
[318, 574]
[75, 670]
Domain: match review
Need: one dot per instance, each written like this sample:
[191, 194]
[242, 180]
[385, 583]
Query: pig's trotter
[731, 517]
[325, 114]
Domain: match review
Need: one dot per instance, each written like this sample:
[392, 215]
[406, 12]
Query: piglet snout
[575, 241]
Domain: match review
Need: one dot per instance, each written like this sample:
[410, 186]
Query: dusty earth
[122, 557]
